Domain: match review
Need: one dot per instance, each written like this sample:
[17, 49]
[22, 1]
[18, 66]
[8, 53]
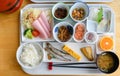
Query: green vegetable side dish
[28, 33]
[100, 15]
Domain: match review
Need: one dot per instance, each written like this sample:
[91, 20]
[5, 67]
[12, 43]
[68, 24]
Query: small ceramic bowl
[84, 30]
[60, 6]
[79, 5]
[20, 51]
[56, 31]
[91, 37]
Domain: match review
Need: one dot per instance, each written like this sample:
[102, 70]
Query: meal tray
[43, 69]
[40, 1]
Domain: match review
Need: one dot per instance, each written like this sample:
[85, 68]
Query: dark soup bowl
[107, 62]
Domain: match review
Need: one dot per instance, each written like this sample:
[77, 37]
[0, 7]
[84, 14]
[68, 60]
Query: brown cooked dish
[63, 34]
[61, 13]
[78, 14]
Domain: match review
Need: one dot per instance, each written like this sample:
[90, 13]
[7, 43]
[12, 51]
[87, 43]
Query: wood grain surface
[9, 41]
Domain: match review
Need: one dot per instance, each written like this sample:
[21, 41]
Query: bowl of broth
[107, 62]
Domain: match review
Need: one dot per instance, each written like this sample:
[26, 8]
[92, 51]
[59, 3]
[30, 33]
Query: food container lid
[48, 1]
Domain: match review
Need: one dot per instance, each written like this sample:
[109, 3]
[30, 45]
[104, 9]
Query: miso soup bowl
[115, 62]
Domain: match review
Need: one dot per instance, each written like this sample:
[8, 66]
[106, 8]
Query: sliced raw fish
[44, 18]
[44, 26]
[102, 26]
[39, 27]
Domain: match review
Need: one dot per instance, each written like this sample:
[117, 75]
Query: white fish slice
[109, 21]
[102, 26]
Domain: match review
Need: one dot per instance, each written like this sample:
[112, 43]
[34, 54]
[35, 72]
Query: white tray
[40, 1]
[43, 70]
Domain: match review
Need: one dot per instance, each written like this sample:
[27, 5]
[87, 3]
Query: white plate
[40, 1]
[92, 24]
[35, 39]
[75, 47]
[43, 69]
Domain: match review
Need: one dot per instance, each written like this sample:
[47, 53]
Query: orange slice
[106, 43]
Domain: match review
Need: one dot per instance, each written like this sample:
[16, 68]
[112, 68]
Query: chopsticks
[71, 65]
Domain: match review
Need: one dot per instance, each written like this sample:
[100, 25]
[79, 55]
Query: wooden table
[9, 41]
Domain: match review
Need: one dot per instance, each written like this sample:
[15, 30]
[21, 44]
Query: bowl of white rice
[30, 55]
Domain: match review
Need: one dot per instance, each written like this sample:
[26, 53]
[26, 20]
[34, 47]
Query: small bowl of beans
[79, 11]
[60, 11]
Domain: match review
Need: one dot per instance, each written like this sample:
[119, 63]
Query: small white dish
[79, 5]
[83, 25]
[60, 5]
[39, 52]
[92, 25]
[91, 37]
[56, 28]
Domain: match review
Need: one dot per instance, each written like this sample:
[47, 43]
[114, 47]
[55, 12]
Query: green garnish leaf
[100, 15]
